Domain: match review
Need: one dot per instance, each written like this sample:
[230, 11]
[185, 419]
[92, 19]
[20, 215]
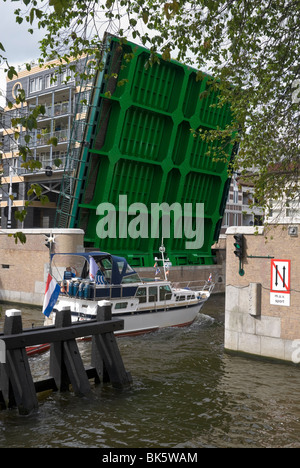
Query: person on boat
[68, 275]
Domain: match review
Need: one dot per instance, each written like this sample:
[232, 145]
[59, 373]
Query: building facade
[239, 210]
[57, 93]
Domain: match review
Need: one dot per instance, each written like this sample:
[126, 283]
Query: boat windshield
[134, 278]
[127, 273]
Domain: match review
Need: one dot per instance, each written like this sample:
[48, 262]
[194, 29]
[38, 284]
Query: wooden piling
[66, 366]
[106, 357]
[15, 377]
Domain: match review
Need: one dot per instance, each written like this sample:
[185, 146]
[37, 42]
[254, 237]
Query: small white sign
[280, 299]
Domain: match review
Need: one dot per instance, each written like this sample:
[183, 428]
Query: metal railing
[40, 139]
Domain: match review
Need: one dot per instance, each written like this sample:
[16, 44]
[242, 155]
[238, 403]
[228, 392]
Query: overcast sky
[20, 46]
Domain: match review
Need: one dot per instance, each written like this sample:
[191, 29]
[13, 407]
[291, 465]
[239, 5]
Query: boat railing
[85, 289]
[88, 290]
[197, 285]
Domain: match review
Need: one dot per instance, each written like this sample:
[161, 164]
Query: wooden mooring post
[66, 369]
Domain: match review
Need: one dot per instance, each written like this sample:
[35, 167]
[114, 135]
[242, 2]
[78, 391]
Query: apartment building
[47, 87]
[239, 210]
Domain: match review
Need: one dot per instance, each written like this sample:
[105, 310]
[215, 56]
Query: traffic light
[239, 250]
[239, 245]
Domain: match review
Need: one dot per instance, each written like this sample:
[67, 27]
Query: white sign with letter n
[280, 291]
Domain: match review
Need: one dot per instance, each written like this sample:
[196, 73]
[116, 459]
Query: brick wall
[24, 267]
[273, 331]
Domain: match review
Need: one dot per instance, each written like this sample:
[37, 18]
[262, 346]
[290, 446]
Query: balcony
[40, 139]
[62, 136]
[59, 109]
[46, 162]
[255, 210]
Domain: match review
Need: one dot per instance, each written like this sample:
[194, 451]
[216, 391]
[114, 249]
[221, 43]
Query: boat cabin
[99, 276]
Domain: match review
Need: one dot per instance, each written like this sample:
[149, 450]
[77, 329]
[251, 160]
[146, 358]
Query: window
[66, 76]
[271, 205]
[35, 84]
[152, 293]
[180, 298]
[45, 222]
[235, 196]
[292, 207]
[65, 107]
[190, 297]
[235, 219]
[165, 293]
[141, 295]
[227, 219]
[105, 267]
[121, 305]
[50, 80]
[134, 278]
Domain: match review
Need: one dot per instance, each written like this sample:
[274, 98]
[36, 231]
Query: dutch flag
[51, 294]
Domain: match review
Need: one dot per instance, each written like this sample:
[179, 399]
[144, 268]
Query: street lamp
[9, 199]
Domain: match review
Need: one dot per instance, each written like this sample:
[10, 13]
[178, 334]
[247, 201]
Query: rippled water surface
[186, 393]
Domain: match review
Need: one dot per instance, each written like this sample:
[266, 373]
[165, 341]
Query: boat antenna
[162, 251]
[166, 263]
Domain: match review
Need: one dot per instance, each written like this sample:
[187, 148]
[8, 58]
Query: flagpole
[50, 251]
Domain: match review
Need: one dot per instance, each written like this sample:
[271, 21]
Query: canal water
[186, 393]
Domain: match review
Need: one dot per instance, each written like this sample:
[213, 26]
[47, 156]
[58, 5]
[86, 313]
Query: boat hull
[37, 349]
[136, 322]
[141, 323]
[149, 321]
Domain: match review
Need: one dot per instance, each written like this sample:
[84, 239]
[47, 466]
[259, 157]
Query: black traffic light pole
[239, 251]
